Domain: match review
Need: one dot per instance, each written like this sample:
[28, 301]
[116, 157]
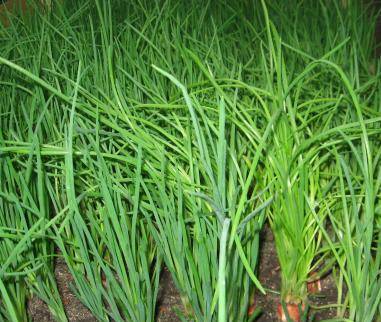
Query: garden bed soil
[169, 299]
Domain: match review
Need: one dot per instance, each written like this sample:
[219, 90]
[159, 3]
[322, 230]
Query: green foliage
[140, 133]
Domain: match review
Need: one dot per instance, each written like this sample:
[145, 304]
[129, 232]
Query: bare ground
[169, 299]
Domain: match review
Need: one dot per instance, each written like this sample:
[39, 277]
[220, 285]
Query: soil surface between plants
[169, 298]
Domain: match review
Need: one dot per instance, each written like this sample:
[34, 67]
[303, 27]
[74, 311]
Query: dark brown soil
[169, 299]
[75, 310]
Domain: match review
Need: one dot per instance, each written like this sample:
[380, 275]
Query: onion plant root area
[169, 301]
[193, 161]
